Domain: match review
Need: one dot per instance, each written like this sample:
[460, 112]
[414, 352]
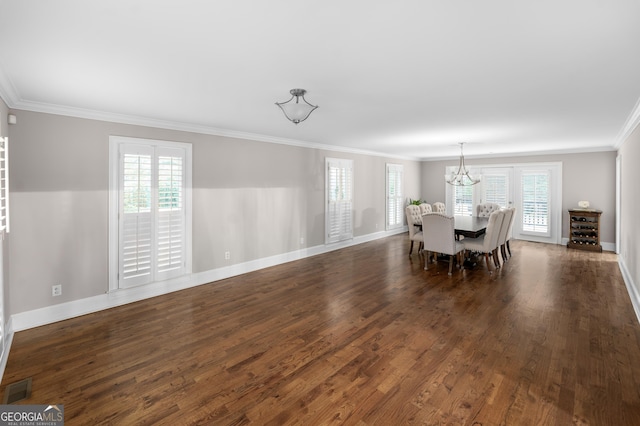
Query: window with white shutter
[153, 210]
[463, 200]
[339, 198]
[535, 201]
[395, 197]
[495, 187]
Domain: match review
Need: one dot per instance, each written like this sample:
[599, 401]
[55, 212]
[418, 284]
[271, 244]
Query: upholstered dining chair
[485, 209]
[504, 230]
[414, 217]
[439, 207]
[438, 231]
[487, 244]
[510, 230]
[425, 208]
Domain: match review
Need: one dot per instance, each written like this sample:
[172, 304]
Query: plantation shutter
[4, 184]
[535, 202]
[495, 188]
[136, 215]
[463, 200]
[395, 198]
[339, 211]
[152, 214]
[170, 213]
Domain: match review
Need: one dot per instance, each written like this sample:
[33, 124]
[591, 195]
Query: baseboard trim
[8, 339]
[60, 312]
[631, 287]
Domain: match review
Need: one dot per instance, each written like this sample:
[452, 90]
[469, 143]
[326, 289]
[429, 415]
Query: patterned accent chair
[414, 217]
[485, 209]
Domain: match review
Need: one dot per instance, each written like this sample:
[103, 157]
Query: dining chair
[439, 207]
[414, 217]
[488, 243]
[425, 208]
[438, 231]
[510, 230]
[485, 209]
[504, 230]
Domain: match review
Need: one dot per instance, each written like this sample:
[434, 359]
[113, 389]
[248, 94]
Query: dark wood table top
[471, 226]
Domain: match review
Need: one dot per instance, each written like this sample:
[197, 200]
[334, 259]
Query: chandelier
[461, 177]
[296, 111]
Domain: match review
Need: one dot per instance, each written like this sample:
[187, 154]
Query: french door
[152, 211]
[533, 189]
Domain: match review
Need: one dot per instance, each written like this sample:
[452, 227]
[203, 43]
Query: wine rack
[584, 233]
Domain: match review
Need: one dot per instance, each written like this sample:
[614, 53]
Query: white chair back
[439, 207]
[485, 209]
[413, 217]
[504, 228]
[438, 231]
[510, 228]
[493, 230]
[425, 208]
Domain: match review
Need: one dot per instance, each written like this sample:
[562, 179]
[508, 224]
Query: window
[4, 184]
[495, 187]
[339, 198]
[535, 202]
[153, 210]
[395, 198]
[463, 200]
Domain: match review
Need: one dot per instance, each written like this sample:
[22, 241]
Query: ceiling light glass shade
[461, 177]
[296, 109]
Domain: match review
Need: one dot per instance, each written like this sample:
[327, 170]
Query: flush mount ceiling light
[461, 177]
[296, 111]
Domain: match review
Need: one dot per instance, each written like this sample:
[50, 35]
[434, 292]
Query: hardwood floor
[360, 336]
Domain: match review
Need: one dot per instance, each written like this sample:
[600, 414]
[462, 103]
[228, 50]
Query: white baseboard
[8, 339]
[75, 308]
[631, 287]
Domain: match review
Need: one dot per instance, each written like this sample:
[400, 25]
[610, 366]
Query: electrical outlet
[56, 290]
[227, 255]
[301, 240]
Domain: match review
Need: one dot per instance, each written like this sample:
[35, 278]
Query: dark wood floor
[360, 336]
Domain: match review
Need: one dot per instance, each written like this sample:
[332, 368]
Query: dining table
[468, 226]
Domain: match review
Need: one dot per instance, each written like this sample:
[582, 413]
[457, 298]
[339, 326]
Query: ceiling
[408, 78]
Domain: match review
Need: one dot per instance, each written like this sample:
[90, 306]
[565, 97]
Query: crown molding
[8, 92]
[629, 126]
[186, 127]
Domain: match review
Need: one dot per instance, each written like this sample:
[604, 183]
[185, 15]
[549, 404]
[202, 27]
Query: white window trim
[114, 147]
[400, 197]
[347, 164]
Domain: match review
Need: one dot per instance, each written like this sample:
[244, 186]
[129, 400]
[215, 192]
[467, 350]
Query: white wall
[629, 256]
[587, 176]
[251, 198]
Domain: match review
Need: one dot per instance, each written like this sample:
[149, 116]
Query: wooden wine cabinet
[584, 232]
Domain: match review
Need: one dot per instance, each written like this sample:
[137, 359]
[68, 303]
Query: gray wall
[588, 176]
[251, 198]
[630, 207]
